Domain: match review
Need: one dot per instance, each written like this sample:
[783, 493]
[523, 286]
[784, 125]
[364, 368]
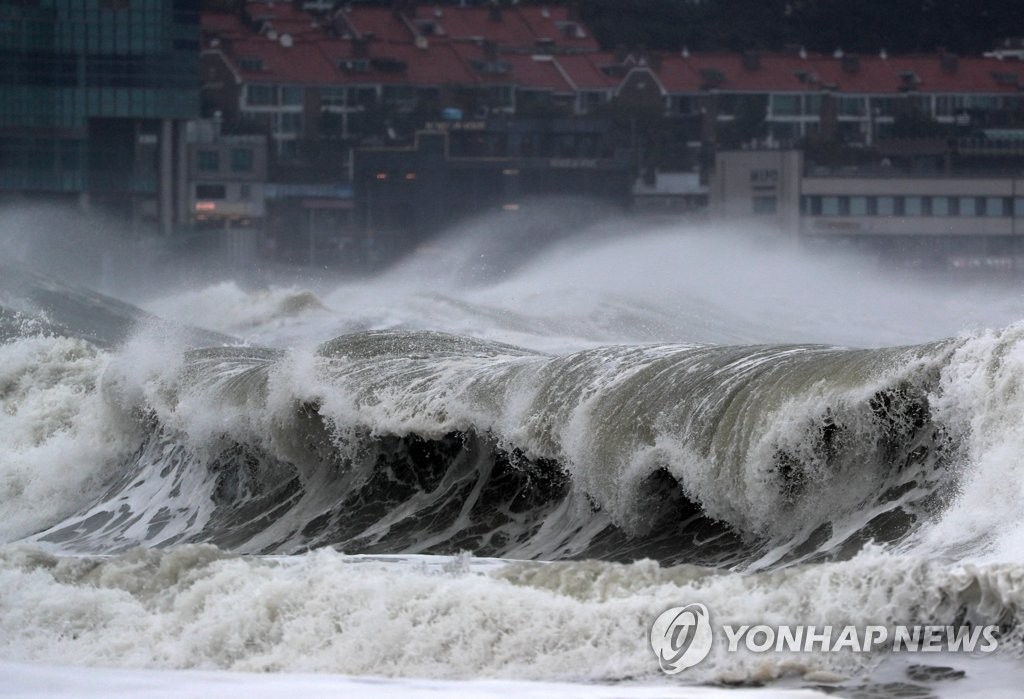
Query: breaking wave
[160, 483]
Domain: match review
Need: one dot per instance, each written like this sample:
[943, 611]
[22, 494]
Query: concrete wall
[972, 224]
[745, 183]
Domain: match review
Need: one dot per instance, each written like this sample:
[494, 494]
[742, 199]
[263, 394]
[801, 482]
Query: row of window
[279, 123]
[71, 108]
[264, 95]
[220, 191]
[134, 32]
[911, 206]
[259, 95]
[68, 71]
[809, 105]
[793, 105]
[209, 160]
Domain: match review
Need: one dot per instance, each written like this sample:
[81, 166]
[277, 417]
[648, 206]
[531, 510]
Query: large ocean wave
[166, 483]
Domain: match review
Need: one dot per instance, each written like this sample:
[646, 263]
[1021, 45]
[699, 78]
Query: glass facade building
[90, 91]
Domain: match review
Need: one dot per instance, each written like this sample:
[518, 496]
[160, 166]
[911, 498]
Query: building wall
[88, 93]
[908, 206]
[404, 196]
[759, 188]
[221, 89]
[227, 176]
[943, 220]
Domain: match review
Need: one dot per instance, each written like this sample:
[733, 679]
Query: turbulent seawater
[415, 476]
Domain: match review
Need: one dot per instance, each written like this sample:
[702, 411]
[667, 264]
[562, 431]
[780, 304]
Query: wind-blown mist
[644, 416]
[613, 283]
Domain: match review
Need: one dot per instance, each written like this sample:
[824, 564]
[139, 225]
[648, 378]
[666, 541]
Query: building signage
[764, 179]
[456, 125]
[574, 162]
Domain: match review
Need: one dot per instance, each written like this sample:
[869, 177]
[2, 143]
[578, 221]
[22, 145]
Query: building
[944, 220]
[335, 77]
[314, 225]
[670, 194]
[759, 189]
[227, 177]
[422, 109]
[338, 75]
[94, 95]
[457, 169]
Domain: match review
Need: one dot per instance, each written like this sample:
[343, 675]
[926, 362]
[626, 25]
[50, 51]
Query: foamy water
[656, 398]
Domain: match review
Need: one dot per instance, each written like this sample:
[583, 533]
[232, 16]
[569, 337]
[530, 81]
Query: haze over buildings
[351, 134]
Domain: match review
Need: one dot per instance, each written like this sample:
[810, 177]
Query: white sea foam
[195, 607]
[59, 437]
[69, 413]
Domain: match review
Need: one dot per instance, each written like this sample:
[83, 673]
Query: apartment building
[941, 219]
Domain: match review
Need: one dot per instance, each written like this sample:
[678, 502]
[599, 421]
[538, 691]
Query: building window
[812, 105]
[858, 206]
[250, 64]
[245, 192]
[208, 161]
[401, 96]
[765, 205]
[678, 104]
[852, 106]
[365, 96]
[1018, 207]
[211, 191]
[887, 106]
[241, 160]
[940, 206]
[886, 206]
[291, 96]
[290, 123]
[913, 207]
[968, 206]
[333, 96]
[997, 206]
[830, 206]
[785, 105]
[948, 105]
[260, 95]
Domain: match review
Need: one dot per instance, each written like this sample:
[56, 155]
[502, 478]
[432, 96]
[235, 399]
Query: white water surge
[171, 507]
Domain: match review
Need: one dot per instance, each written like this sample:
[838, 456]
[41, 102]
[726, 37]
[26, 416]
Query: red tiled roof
[438, 64]
[584, 70]
[448, 56]
[523, 70]
[548, 22]
[382, 23]
[303, 62]
[461, 23]
[852, 74]
[972, 74]
[221, 23]
[537, 72]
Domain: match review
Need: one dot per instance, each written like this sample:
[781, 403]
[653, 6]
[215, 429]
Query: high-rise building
[93, 99]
